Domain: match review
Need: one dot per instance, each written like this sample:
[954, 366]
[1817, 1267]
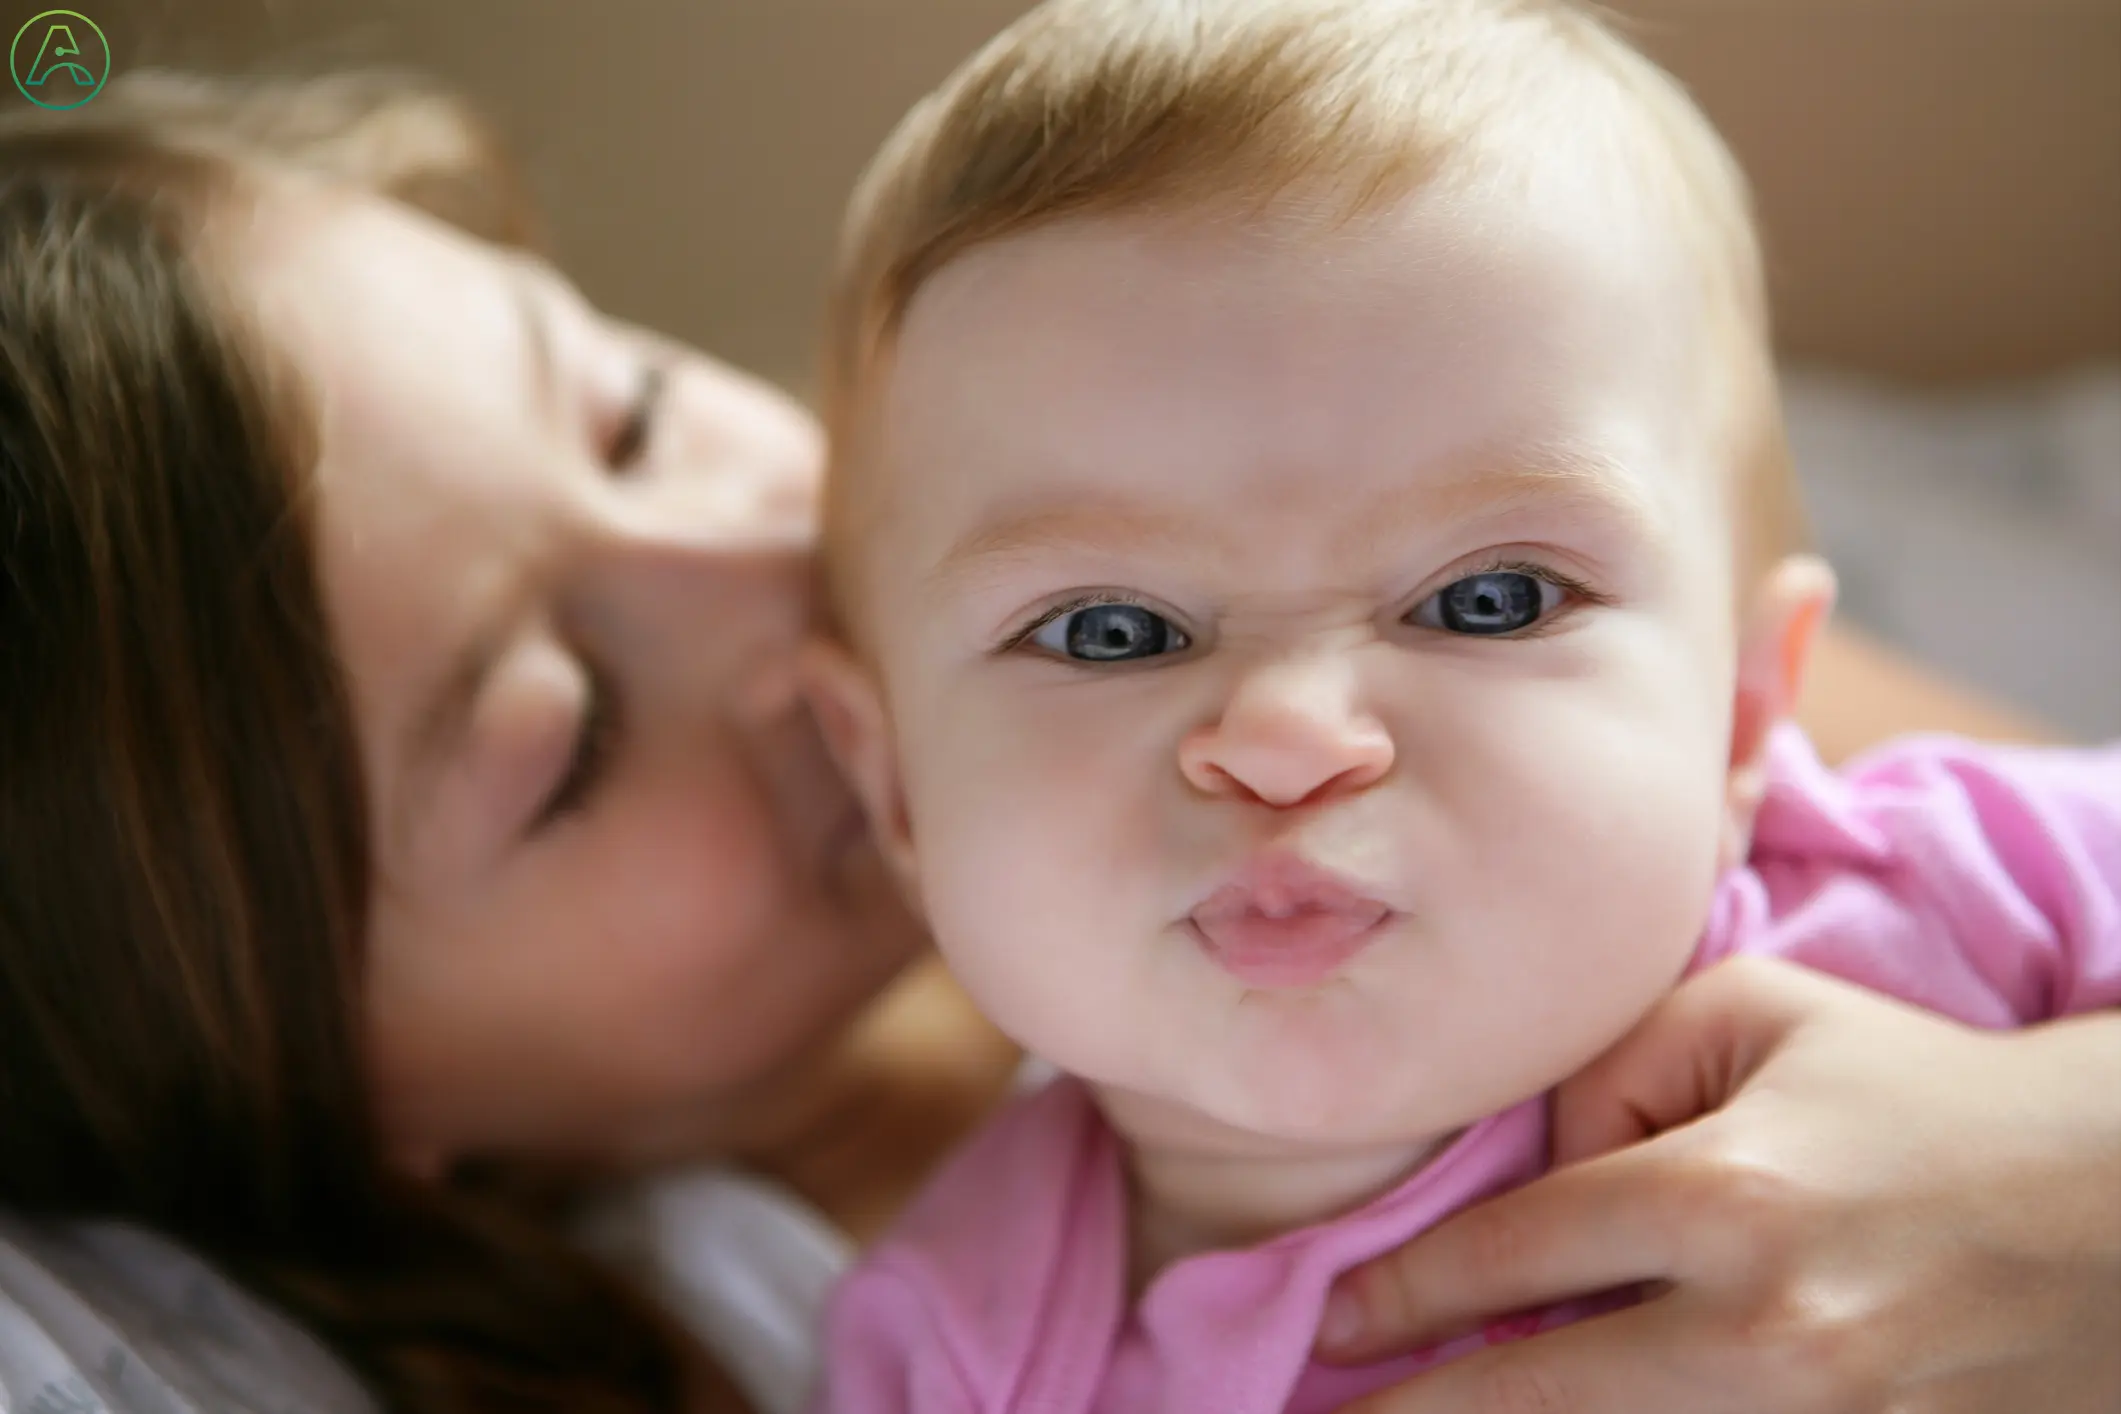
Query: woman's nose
[747, 455]
[1291, 733]
[757, 501]
[695, 603]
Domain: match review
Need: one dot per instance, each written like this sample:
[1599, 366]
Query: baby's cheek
[1002, 876]
[1040, 893]
[1585, 873]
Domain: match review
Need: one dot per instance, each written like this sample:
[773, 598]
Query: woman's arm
[1858, 692]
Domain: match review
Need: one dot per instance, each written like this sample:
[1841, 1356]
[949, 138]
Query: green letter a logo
[54, 54]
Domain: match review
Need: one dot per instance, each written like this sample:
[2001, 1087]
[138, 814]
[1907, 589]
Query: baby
[1318, 587]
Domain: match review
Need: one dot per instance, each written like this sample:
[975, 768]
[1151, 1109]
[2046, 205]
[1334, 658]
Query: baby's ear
[1774, 648]
[848, 703]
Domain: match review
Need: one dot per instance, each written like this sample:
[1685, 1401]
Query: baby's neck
[1187, 1199]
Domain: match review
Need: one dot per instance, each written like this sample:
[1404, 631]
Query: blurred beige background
[1940, 179]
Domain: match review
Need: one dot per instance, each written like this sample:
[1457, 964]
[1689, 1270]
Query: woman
[401, 787]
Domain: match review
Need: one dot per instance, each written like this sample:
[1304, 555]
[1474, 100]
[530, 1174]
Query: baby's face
[1310, 658]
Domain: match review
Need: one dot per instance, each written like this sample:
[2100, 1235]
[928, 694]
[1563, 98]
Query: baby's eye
[1110, 633]
[1489, 605]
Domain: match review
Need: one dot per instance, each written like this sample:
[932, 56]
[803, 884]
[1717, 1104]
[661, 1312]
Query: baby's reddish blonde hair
[1099, 107]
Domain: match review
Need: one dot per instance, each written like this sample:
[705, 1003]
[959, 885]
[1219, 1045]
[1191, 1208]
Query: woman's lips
[1282, 922]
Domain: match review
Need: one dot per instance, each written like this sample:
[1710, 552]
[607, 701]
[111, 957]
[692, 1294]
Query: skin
[611, 941]
[854, 1117]
[1478, 378]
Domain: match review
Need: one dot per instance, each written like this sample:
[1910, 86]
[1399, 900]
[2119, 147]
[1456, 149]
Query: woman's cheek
[699, 877]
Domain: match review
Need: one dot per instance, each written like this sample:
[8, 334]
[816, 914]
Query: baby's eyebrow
[1570, 480]
[1085, 523]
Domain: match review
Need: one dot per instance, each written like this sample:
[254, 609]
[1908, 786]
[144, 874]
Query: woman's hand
[1875, 1212]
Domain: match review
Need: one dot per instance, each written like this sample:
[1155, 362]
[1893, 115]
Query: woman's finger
[1594, 1227]
[1688, 1057]
[1627, 1363]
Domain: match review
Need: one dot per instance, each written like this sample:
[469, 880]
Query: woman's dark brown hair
[183, 865]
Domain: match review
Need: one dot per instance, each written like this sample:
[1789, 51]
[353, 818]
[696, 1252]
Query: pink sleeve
[1981, 882]
[884, 1352]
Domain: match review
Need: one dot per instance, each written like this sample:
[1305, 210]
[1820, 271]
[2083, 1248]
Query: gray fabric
[105, 1319]
[745, 1264]
[1979, 529]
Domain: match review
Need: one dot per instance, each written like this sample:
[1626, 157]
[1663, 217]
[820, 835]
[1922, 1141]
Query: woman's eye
[1110, 633]
[1489, 605]
[636, 431]
[595, 741]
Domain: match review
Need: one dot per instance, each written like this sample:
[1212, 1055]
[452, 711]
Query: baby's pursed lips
[1280, 884]
[1282, 923]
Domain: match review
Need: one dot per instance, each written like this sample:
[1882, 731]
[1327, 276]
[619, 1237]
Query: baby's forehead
[1185, 365]
[1184, 304]
[1586, 207]
[1572, 218]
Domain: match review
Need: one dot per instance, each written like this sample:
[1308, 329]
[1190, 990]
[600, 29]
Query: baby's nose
[1291, 734]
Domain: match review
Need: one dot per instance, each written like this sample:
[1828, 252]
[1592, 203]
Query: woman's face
[620, 896]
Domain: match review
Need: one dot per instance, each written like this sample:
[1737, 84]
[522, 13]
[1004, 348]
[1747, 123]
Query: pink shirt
[1981, 883]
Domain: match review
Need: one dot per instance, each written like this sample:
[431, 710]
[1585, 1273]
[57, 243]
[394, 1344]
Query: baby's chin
[1332, 1115]
[1344, 1094]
